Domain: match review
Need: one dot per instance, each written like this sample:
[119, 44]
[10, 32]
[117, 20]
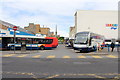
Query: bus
[69, 43]
[109, 41]
[30, 43]
[55, 41]
[87, 41]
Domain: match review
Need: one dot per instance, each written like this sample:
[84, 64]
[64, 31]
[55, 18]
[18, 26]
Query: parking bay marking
[8, 55]
[51, 56]
[22, 55]
[66, 56]
[97, 56]
[37, 56]
[111, 56]
[81, 57]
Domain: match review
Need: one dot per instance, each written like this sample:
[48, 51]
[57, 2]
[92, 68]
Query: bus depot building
[7, 37]
[103, 22]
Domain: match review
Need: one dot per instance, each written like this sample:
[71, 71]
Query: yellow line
[22, 55]
[53, 76]
[97, 56]
[37, 56]
[111, 56]
[8, 55]
[66, 56]
[81, 57]
[52, 56]
[99, 76]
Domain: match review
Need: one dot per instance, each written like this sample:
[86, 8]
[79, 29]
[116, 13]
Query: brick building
[36, 29]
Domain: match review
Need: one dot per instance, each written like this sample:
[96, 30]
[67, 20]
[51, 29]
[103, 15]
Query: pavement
[59, 64]
[57, 53]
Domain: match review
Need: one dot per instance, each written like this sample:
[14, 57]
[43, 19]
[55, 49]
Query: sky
[50, 12]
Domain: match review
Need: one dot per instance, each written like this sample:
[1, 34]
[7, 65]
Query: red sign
[15, 28]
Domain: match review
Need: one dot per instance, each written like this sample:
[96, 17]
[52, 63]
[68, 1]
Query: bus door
[23, 44]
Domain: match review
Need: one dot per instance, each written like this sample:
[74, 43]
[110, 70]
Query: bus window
[107, 40]
[45, 41]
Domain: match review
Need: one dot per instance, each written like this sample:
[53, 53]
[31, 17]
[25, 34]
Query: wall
[36, 29]
[45, 31]
[72, 33]
[95, 21]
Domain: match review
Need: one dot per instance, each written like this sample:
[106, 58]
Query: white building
[72, 33]
[97, 21]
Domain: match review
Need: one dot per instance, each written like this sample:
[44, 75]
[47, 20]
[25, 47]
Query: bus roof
[24, 36]
[51, 37]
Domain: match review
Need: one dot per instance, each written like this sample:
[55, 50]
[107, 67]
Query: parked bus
[30, 43]
[109, 41]
[69, 43]
[55, 41]
[87, 41]
[4, 42]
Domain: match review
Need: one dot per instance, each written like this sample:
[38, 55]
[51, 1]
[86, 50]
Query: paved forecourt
[60, 52]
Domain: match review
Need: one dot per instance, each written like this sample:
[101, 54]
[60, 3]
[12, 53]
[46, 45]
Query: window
[45, 41]
[107, 40]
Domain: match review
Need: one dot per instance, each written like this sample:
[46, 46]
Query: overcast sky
[49, 12]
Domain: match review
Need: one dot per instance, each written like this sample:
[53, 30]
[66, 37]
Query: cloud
[50, 12]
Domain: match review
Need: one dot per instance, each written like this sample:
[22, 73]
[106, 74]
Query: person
[103, 45]
[118, 49]
[98, 46]
[112, 46]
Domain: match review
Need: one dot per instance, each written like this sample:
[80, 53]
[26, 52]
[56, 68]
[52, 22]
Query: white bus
[87, 41]
[109, 41]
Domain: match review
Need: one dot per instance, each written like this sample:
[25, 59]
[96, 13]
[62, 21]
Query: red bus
[33, 43]
[54, 43]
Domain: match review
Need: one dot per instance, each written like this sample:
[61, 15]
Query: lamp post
[14, 28]
[56, 31]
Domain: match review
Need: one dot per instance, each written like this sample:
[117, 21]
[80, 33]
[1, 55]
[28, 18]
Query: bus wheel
[12, 48]
[42, 47]
[94, 48]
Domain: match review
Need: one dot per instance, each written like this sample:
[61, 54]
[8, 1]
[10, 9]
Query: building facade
[72, 32]
[36, 29]
[7, 28]
[33, 28]
[97, 21]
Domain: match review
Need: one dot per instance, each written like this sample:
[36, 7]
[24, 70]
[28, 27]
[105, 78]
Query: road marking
[97, 56]
[22, 55]
[97, 76]
[37, 56]
[111, 56]
[53, 76]
[8, 55]
[51, 56]
[66, 56]
[81, 57]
